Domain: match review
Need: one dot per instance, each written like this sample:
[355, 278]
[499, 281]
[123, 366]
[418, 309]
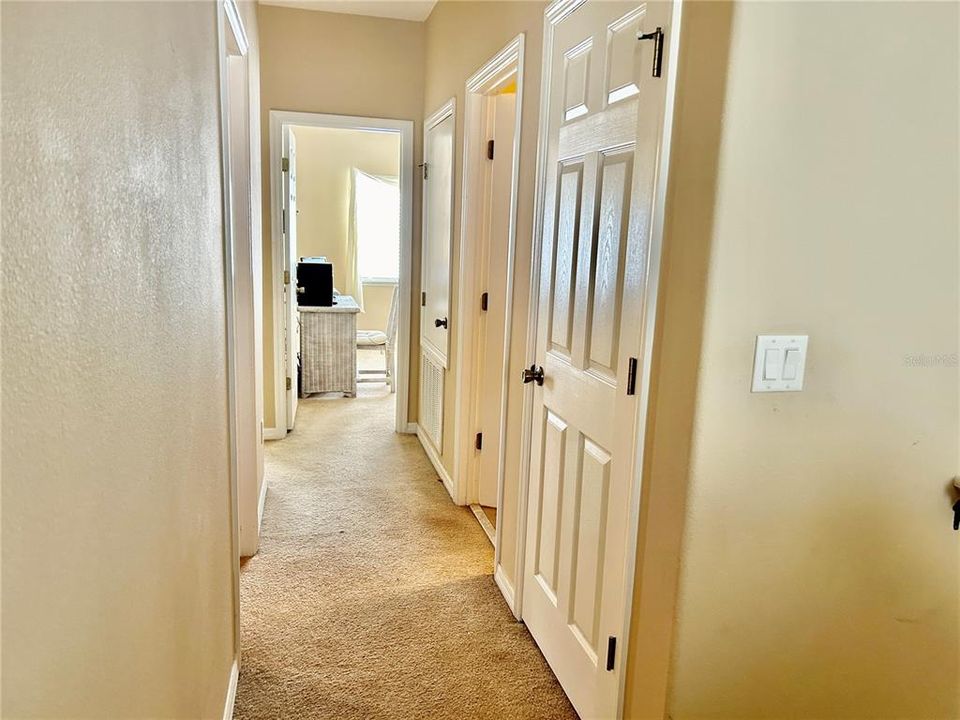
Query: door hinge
[632, 376]
[286, 277]
[657, 37]
[284, 164]
[478, 442]
[289, 384]
[423, 299]
[484, 298]
[611, 652]
[489, 149]
[424, 166]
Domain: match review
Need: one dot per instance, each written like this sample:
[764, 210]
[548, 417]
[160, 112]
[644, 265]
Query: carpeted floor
[372, 594]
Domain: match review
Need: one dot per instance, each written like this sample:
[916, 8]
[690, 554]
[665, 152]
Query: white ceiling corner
[417, 10]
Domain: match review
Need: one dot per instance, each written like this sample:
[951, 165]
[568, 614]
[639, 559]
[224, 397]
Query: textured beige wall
[819, 571]
[344, 65]
[461, 37]
[117, 557]
[325, 159]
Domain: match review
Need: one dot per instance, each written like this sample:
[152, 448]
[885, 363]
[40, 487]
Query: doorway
[341, 198]
[492, 116]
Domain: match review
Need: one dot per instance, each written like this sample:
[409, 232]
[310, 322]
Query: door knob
[533, 374]
[440, 322]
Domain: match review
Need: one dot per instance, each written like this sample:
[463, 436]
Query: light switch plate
[779, 362]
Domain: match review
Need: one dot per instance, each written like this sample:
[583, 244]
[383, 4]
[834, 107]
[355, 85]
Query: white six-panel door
[604, 114]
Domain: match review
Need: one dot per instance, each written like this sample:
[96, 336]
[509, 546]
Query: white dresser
[328, 348]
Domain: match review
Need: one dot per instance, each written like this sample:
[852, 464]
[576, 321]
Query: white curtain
[352, 284]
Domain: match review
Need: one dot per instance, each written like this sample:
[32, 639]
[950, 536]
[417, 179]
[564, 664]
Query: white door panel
[604, 111]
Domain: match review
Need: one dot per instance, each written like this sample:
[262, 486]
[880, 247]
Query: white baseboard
[263, 499]
[270, 433]
[411, 428]
[506, 589]
[488, 528]
[231, 691]
[437, 465]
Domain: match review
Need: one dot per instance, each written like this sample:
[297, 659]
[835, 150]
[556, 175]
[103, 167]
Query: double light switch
[779, 362]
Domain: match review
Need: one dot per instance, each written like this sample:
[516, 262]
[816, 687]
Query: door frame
[555, 13]
[280, 122]
[232, 41]
[507, 63]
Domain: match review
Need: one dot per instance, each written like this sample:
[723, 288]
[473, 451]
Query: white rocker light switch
[779, 363]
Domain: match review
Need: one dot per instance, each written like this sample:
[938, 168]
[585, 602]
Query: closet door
[438, 143]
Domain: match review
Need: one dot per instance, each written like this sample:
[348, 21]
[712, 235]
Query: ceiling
[396, 9]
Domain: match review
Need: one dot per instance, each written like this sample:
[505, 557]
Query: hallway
[372, 595]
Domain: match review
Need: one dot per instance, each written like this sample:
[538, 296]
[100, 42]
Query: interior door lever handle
[533, 374]
[440, 322]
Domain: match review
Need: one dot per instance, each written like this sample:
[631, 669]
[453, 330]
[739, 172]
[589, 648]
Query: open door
[290, 314]
[606, 103]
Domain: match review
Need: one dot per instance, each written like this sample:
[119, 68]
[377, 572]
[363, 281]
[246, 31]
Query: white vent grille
[431, 400]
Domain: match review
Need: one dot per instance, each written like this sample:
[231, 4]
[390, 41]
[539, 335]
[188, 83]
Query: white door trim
[648, 328]
[556, 12]
[231, 40]
[280, 120]
[508, 62]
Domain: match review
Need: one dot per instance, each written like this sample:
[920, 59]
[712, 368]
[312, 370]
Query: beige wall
[344, 65]
[325, 159]
[452, 56]
[815, 190]
[117, 558]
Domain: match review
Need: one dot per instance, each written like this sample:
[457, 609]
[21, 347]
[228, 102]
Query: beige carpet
[372, 595]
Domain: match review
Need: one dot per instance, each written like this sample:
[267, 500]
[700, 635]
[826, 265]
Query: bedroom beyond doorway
[342, 223]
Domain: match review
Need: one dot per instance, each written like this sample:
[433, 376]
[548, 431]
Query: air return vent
[431, 400]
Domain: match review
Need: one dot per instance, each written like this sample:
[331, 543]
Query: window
[376, 206]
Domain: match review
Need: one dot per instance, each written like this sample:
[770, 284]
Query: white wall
[117, 581]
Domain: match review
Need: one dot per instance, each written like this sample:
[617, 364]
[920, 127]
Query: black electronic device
[315, 282]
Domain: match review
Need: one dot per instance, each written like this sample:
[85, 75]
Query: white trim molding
[280, 122]
[230, 42]
[649, 326]
[435, 461]
[507, 64]
[261, 504]
[236, 26]
[231, 697]
[274, 433]
[503, 582]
